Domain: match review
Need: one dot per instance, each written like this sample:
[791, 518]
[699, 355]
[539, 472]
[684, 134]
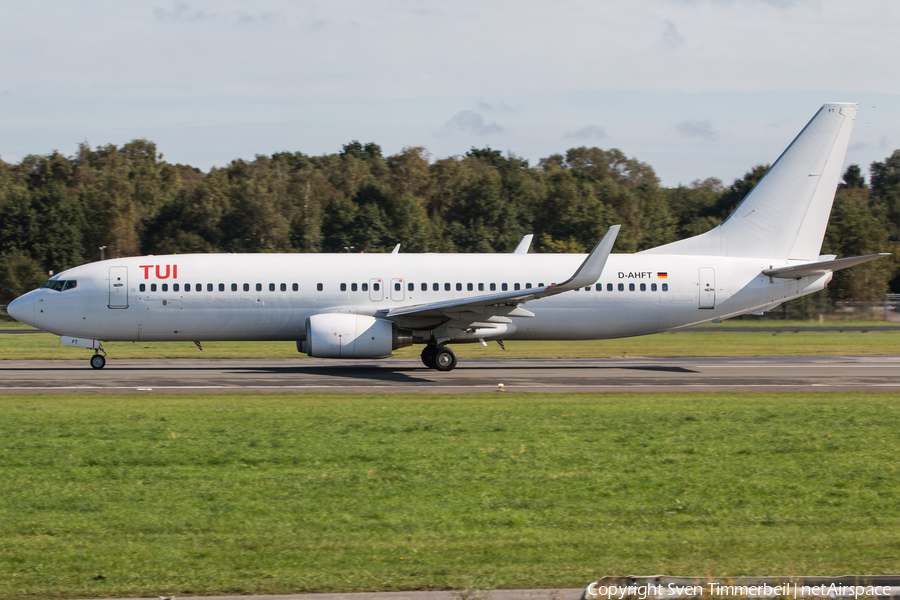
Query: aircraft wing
[817, 268]
[587, 274]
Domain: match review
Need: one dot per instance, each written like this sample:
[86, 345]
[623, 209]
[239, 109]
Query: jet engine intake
[342, 335]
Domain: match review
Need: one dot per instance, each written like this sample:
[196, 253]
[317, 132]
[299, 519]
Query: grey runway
[871, 373]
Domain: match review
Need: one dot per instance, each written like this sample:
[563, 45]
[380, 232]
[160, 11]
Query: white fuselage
[270, 296]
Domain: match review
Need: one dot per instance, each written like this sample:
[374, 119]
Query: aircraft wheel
[98, 361]
[428, 353]
[444, 359]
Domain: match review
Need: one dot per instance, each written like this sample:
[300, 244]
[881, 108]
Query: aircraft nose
[22, 308]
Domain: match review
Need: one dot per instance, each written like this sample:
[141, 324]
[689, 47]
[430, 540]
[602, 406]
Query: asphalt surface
[484, 375]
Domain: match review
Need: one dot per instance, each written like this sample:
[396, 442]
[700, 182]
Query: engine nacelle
[342, 335]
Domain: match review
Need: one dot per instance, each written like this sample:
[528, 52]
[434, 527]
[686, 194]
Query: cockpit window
[60, 284]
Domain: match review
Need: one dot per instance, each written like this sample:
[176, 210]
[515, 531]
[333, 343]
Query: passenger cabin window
[246, 287]
[320, 287]
[376, 286]
[504, 286]
[436, 287]
[470, 287]
[397, 287]
[343, 287]
[353, 287]
[283, 287]
[643, 287]
[665, 287]
[221, 287]
[411, 287]
[152, 287]
[458, 287]
[258, 287]
[233, 287]
[527, 286]
[165, 287]
[271, 287]
[295, 287]
[209, 287]
[621, 287]
[652, 287]
[446, 287]
[493, 287]
[365, 287]
[424, 287]
[187, 287]
[142, 287]
[480, 287]
[517, 287]
[174, 287]
[630, 287]
[609, 287]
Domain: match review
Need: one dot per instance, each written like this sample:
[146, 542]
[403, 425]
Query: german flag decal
[662, 275]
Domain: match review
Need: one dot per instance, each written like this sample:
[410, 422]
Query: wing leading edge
[587, 274]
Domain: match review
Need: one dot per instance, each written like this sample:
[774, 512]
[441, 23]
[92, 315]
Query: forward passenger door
[376, 290]
[397, 290]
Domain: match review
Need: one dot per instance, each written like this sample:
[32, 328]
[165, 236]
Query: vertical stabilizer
[785, 214]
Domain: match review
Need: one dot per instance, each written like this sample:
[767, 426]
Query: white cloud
[702, 129]
[182, 12]
[471, 121]
[588, 132]
[671, 37]
[501, 107]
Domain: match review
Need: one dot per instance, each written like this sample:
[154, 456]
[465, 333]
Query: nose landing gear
[98, 361]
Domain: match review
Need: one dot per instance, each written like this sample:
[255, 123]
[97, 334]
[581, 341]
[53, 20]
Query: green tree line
[56, 211]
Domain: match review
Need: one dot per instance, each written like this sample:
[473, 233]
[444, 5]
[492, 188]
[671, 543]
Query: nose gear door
[118, 287]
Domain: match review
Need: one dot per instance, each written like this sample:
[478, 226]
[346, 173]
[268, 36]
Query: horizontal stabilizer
[818, 268]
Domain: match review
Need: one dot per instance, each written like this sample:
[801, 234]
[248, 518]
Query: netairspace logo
[789, 590]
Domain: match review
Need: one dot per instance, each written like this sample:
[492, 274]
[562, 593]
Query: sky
[695, 88]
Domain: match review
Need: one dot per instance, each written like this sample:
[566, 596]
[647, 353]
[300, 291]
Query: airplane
[365, 306]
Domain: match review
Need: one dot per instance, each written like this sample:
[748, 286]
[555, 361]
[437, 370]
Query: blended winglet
[587, 274]
[592, 267]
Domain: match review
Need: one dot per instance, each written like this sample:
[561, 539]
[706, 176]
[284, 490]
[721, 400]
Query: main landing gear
[98, 361]
[441, 358]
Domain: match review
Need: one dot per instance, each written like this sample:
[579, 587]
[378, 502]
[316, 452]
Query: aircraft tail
[785, 214]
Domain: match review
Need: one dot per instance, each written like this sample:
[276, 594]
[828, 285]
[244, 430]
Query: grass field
[694, 343]
[104, 496]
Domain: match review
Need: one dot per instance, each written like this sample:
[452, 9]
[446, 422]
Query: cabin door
[397, 290]
[118, 287]
[707, 287]
[376, 290]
